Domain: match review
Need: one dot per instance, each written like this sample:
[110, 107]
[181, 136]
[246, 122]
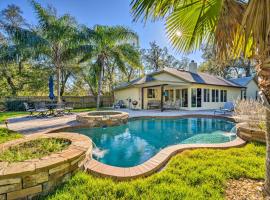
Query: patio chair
[227, 108]
[153, 104]
[59, 109]
[168, 105]
[28, 109]
[119, 104]
[41, 109]
[69, 107]
[177, 104]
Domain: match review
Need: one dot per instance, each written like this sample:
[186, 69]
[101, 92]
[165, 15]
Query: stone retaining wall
[250, 134]
[103, 118]
[31, 178]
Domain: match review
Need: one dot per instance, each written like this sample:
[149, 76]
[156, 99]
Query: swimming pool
[137, 141]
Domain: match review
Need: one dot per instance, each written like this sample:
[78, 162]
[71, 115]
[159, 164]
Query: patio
[30, 125]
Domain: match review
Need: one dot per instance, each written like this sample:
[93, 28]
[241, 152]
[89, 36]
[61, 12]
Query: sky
[105, 12]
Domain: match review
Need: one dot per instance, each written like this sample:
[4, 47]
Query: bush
[252, 112]
[14, 105]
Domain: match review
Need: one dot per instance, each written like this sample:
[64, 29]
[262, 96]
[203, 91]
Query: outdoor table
[52, 107]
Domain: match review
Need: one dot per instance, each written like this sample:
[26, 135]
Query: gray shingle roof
[199, 78]
[242, 81]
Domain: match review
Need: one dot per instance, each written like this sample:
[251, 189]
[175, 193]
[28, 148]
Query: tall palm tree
[56, 40]
[110, 43]
[233, 26]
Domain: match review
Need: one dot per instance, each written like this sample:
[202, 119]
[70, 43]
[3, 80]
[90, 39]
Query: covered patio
[165, 96]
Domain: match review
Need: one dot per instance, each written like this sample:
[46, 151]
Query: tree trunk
[264, 85]
[99, 86]
[58, 75]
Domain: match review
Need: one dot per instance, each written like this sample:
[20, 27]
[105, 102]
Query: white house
[250, 90]
[179, 89]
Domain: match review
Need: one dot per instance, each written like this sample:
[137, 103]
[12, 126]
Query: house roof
[198, 78]
[242, 81]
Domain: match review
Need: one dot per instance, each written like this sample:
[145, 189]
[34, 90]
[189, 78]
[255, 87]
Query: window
[223, 95]
[177, 94]
[215, 95]
[206, 95]
[196, 97]
[184, 98]
[151, 93]
[243, 94]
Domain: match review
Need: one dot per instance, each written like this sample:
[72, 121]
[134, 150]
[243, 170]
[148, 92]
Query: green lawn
[198, 174]
[7, 135]
[6, 115]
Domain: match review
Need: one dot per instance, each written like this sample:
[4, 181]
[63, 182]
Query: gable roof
[244, 81]
[198, 78]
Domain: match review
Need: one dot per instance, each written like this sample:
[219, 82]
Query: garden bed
[38, 174]
[34, 149]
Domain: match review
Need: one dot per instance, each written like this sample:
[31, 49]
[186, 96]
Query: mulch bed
[245, 189]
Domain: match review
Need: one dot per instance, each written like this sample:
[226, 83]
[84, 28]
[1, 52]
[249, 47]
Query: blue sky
[105, 12]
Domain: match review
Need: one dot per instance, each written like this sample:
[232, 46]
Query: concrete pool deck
[30, 125]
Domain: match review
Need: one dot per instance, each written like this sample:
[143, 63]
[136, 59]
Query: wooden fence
[77, 101]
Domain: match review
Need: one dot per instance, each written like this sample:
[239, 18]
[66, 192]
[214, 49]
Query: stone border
[35, 177]
[117, 118]
[153, 164]
[250, 134]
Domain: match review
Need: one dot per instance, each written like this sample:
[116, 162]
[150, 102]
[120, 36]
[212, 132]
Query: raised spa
[137, 141]
[103, 118]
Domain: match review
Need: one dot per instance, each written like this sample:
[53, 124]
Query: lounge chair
[227, 108]
[41, 109]
[28, 109]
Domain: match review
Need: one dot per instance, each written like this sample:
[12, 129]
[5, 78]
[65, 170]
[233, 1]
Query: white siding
[252, 88]
[128, 93]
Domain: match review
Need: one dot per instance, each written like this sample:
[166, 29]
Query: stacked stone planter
[103, 118]
[250, 134]
[31, 178]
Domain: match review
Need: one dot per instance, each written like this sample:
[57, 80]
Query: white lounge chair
[227, 108]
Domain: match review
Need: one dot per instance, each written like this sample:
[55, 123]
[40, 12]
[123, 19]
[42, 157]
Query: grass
[88, 109]
[5, 115]
[34, 149]
[7, 135]
[197, 174]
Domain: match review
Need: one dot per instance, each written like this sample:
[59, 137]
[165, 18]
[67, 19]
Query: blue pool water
[139, 140]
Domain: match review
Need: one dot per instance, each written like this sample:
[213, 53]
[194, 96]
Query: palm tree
[233, 26]
[110, 44]
[56, 40]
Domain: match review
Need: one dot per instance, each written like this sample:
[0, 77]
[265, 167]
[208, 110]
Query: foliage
[34, 149]
[255, 117]
[196, 174]
[157, 58]
[7, 135]
[109, 46]
[232, 68]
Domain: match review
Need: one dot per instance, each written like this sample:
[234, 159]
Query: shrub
[14, 105]
[252, 112]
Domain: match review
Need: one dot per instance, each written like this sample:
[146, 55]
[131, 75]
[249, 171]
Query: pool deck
[30, 125]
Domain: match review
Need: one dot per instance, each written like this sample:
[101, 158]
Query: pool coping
[156, 162]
